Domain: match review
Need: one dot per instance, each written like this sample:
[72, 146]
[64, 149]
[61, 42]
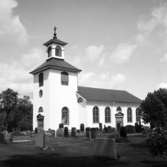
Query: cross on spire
[55, 34]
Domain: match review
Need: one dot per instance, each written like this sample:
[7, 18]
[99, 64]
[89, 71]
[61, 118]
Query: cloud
[164, 58]
[11, 24]
[94, 52]
[162, 85]
[103, 80]
[122, 53]
[16, 75]
[155, 22]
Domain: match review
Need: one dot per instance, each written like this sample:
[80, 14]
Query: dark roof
[57, 64]
[107, 95]
[56, 41]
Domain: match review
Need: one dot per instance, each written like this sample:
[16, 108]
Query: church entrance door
[119, 120]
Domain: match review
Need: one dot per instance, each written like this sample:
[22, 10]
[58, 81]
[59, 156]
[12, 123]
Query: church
[57, 97]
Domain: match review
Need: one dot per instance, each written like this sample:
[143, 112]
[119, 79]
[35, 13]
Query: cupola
[55, 47]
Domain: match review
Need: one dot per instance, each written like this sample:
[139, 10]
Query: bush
[157, 142]
[130, 129]
[138, 127]
[82, 127]
[66, 133]
[73, 132]
[123, 132]
[110, 129]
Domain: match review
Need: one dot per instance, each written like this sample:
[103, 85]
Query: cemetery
[83, 147]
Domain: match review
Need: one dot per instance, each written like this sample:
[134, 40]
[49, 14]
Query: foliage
[157, 142]
[130, 129]
[15, 112]
[138, 128]
[154, 108]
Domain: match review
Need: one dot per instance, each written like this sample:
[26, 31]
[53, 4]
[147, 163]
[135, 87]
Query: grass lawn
[79, 152]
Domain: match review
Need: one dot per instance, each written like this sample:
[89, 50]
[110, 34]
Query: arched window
[129, 115]
[64, 78]
[107, 115]
[49, 51]
[41, 79]
[119, 109]
[95, 114]
[138, 115]
[58, 51]
[40, 110]
[65, 116]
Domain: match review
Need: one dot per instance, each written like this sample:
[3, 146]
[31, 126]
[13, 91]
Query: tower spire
[55, 34]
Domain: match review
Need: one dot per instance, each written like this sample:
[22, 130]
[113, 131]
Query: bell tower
[55, 47]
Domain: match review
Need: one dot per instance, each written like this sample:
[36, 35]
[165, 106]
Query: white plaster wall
[62, 96]
[41, 101]
[113, 108]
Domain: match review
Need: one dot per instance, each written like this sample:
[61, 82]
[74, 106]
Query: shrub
[123, 132]
[130, 129]
[110, 129]
[82, 127]
[138, 127]
[157, 142]
[66, 133]
[73, 132]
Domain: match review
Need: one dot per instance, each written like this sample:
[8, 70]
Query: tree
[9, 100]
[15, 112]
[23, 114]
[154, 108]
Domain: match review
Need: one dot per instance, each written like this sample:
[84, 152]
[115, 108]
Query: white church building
[57, 97]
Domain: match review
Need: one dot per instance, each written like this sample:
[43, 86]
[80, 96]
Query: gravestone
[40, 138]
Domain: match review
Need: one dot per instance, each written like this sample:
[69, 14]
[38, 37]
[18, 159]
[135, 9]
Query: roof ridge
[102, 88]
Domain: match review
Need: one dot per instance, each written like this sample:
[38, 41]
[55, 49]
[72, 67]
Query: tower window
[129, 115]
[41, 79]
[64, 78]
[49, 51]
[95, 114]
[107, 115]
[58, 51]
[65, 116]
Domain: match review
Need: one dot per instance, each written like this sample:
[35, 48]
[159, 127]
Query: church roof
[57, 64]
[56, 41]
[107, 95]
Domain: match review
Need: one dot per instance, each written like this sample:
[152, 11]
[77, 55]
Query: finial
[55, 34]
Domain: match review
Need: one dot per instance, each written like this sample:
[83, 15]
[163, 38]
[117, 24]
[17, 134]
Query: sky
[118, 44]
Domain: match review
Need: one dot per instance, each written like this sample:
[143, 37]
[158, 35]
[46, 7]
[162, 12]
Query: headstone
[40, 139]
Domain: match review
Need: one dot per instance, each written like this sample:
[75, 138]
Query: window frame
[129, 115]
[41, 79]
[64, 78]
[58, 51]
[95, 114]
[107, 115]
